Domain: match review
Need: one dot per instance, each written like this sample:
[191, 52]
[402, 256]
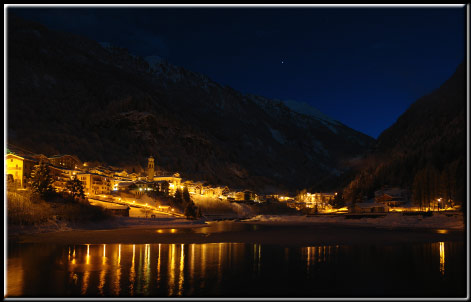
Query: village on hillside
[117, 189]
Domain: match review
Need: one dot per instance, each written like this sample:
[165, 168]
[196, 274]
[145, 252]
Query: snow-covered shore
[392, 220]
[116, 222]
[267, 229]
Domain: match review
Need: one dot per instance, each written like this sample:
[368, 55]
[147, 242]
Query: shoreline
[260, 232]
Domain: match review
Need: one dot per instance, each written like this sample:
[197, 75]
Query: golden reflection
[158, 267]
[87, 259]
[102, 281]
[192, 260]
[15, 277]
[442, 258]
[146, 249]
[171, 279]
[86, 278]
[73, 276]
[203, 261]
[181, 275]
[104, 253]
[146, 272]
[119, 254]
[259, 257]
[132, 272]
[317, 254]
[219, 262]
[442, 231]
[166, 231]
[117, 282]
[308, 257]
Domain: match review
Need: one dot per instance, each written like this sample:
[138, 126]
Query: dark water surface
[435, 269]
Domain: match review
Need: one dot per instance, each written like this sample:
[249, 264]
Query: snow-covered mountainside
[424, 148]
[304, 108]
[69, 94]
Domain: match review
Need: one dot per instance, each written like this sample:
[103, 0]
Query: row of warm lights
[147, 205]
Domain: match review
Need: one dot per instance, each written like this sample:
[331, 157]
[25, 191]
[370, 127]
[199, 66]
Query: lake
[231, 269]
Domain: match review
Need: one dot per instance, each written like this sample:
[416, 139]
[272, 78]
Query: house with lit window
[391, 196]
[95, 184]
[66, 161]
[174, 181]
[60, 176]
[318, 200]
[18, 168]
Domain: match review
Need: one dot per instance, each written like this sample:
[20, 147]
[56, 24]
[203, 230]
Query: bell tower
[150, 168]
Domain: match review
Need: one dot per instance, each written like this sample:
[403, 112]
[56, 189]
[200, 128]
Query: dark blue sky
[361, 66]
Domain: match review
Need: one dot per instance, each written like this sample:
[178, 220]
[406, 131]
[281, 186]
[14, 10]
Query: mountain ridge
[429, 138]
[69, 94]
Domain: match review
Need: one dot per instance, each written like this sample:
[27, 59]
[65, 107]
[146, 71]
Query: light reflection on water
[442, 258]
[225, 269]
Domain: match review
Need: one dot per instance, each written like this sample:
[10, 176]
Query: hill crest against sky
[68, 94]
[361, 66]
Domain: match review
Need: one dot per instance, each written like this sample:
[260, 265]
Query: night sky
[361, 66]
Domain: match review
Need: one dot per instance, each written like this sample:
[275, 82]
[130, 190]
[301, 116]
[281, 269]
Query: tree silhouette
[191, 211]
[178, 198]
[75, 187]
[41, 181]
[186, 195]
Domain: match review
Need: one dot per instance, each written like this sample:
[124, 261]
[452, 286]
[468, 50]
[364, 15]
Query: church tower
[150, 169]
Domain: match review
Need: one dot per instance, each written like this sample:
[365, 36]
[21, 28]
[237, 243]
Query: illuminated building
[66, 161]
[150, 169]
[174, 181]
[18, 168]
[95, 183]
[319, 200]
[391, 196]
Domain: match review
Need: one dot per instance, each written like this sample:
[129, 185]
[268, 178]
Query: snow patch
[105, 45]
[306, 109]
[438, 220]
[277, 136]
[320, 148]
[154, 60]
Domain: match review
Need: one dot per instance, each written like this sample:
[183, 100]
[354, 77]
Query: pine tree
[190, 210]
[418, 189]
[186, 195]
[338, 201]
[41, 181]
[75, 187]
[178, 197]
